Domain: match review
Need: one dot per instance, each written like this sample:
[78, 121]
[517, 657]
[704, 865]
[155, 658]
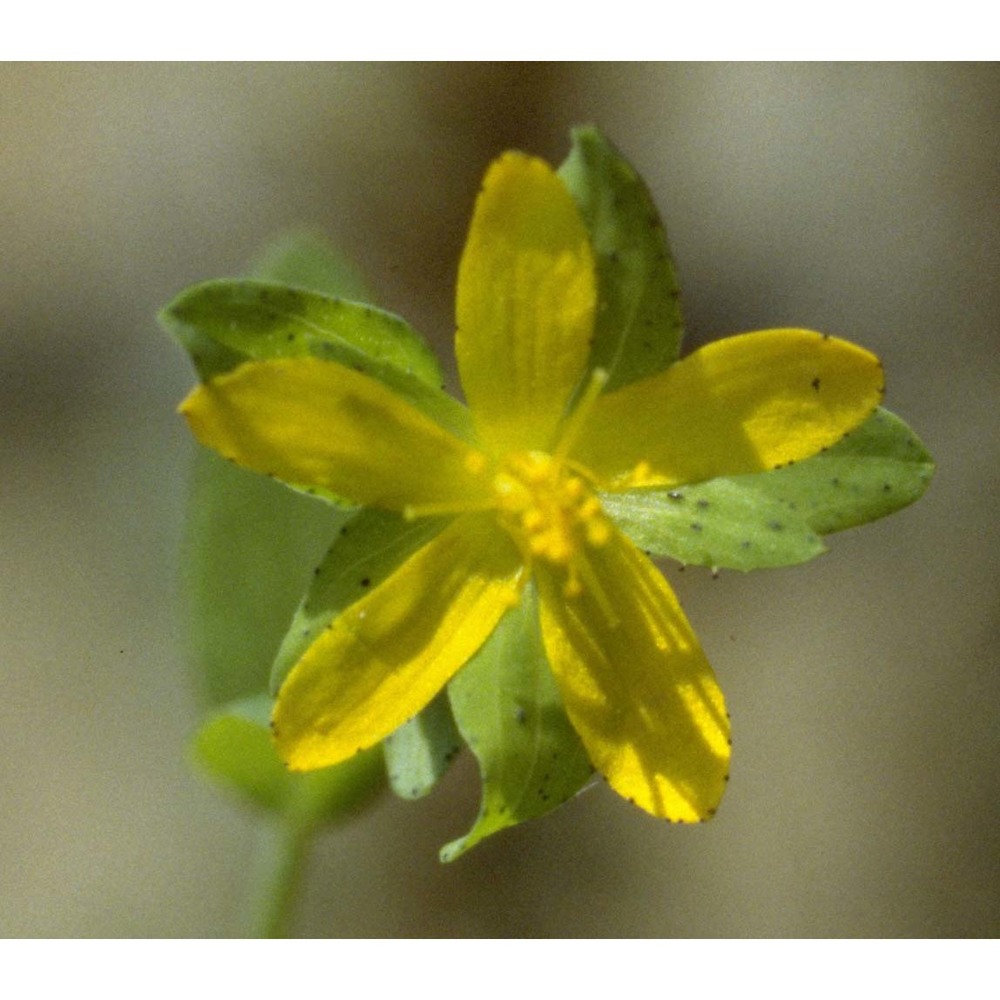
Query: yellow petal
[316, 423]
[636, 685]
[386, 656]
[525, 305]
[743, 404]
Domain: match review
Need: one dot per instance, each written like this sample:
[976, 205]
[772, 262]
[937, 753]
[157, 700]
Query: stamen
[581, 567]
[578, 418]
[411, 512]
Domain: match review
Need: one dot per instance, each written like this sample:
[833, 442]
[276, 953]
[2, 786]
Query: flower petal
[314, 423]
[743, 404]
[525, 305]
[386, 657]
[636, 685]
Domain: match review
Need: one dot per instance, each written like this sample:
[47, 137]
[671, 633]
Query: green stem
[280, 857]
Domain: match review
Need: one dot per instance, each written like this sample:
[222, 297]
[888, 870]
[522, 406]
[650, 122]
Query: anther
[475, 462]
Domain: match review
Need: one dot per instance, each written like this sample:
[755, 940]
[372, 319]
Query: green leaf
[419, 752]
[306, 260]
[368, 548]
[262, 319]
[722, 523]
[875, 470]
[249, 545]
[508, 709]
[223, 323]
[234, 748]
[776, 518]
[639, 325]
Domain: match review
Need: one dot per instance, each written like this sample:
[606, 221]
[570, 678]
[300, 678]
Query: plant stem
[280, 856]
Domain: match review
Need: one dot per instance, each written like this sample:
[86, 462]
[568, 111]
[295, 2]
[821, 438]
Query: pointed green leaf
[723, 523]
[639, 325]
[775, 518]
[419, 752]
[875, 470]
[234, 748]
[262, 319]
[249, 545]
[367, 549]
[509, 711]
[307, 260]
[223, 323]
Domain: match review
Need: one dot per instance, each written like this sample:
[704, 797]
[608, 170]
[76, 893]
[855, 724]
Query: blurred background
[861, 200]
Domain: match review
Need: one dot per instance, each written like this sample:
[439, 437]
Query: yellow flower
[520, 499]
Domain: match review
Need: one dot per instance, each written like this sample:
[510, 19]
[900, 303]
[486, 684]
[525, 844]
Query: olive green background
[861, 200]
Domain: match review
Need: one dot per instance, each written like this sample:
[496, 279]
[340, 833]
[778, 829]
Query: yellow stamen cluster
[550, 512]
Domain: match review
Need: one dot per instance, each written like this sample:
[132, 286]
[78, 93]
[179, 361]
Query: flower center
[550, 512]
